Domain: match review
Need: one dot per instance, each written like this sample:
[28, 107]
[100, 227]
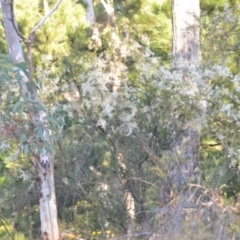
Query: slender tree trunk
[186, 30]
[115, 40]
[185, 148]
[90, 16]
[186, 53]
[129, 201]
[45, 6]
[43, 159]
[130, 206]
[116, 77]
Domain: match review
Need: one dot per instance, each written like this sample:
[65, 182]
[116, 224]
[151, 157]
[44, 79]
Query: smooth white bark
[186, 30]
[185, 150]
[45, 6]
[43, 161]
[186, 53]
[90, 16]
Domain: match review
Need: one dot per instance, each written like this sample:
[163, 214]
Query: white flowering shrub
[122, 137]
[113, 143]
[219, 37]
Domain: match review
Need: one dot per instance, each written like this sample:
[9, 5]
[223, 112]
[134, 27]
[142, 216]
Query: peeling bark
[47, 199]
[184, 146]
[43, 160]
[186, 53]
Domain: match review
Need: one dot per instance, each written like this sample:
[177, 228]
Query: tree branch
[105, 6]
[37, 26]
[31, 36]
[14, 23]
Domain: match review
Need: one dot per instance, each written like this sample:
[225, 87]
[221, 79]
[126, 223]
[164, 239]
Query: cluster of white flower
[4, 146]
[200, 94]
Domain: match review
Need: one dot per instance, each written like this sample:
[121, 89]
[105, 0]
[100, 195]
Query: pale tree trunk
[186, 54]
[186, 30]
[128, 196]
[115, 41]
[43, 160]
[115, 66]
[128, 201]
[116, 78]
[45, 6]
[90, 16]
[130, 206]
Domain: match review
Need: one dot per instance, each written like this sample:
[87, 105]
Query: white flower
[24, 175]
[102, 123]
[227, 108]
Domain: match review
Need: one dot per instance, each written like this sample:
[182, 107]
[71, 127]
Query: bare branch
[31, 36]
[108, 7]
[36, 27]
[148, 149]
[105, 5]
[14, 22]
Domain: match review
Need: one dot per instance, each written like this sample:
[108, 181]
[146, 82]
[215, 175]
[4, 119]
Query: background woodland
[115, 108]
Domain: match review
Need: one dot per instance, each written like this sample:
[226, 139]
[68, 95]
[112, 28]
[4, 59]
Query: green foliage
[51, 39]
[111, 143]
[222, 25]
[129, 131]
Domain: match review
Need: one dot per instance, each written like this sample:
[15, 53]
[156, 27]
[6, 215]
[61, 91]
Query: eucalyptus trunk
[186, 31]
[90, 16]
[45, 6]
[43, 160]
[115, 65]
[186, 54]
[185, 147]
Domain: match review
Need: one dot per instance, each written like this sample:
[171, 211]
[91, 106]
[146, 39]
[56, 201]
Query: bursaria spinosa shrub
[117, 130]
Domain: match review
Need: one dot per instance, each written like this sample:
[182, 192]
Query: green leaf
[37, 128]
[51, 120]
[22, 139]
[48, 146]
[40, 107]
[23, 66]
[16, 106]
[20, 111]
[39, 84]
[26, 149]
[40, 134]
[19, 77]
